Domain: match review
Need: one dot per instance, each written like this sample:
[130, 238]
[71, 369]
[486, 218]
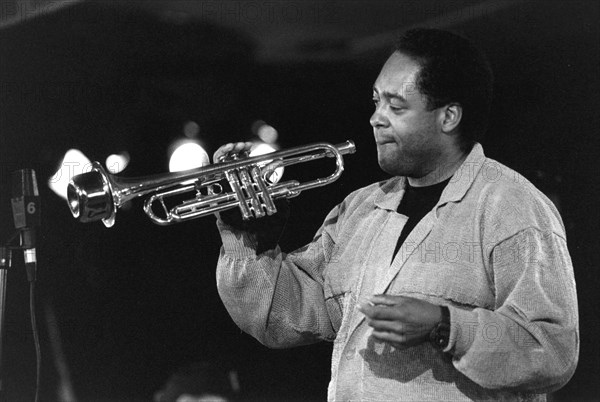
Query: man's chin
[391, 169]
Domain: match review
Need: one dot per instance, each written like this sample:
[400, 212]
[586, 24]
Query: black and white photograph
[303, 200]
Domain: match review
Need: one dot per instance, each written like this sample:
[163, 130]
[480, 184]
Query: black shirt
[415, 204]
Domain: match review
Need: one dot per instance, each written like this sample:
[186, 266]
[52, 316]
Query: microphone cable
[31, 270]
[36, 340]
[31, 276]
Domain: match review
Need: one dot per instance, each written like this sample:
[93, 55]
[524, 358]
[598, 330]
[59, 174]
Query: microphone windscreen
[24, 183]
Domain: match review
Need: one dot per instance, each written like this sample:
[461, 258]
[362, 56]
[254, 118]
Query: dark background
[130, 305]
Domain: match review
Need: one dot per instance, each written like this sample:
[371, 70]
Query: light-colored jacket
[493, 250]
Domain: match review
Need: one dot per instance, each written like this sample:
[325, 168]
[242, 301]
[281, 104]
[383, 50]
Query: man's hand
[230, 149]
[267, 229]
[400, 321]
[232, 217]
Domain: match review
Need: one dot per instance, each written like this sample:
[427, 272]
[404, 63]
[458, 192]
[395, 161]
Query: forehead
[398, 75]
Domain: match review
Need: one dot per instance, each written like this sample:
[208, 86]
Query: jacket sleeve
[530, 341]
[276, 297]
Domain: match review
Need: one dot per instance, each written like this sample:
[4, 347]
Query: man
[449, 281]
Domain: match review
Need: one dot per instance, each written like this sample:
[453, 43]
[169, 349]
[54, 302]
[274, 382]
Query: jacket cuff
[236, 242]
[463, 324]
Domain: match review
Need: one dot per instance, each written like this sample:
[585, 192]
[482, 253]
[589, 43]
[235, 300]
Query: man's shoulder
[504, 192]
[487, 176]
[497, 179]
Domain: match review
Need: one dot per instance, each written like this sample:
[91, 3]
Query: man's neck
[443, 170]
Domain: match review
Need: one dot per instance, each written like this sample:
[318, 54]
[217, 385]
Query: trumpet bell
[90, 196]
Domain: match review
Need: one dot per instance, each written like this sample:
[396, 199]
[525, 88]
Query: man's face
[408, 136]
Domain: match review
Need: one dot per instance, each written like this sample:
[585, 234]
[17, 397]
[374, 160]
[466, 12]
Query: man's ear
[450, 119]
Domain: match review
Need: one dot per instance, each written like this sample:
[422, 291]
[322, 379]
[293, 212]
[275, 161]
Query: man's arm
[530, 342]
[276, 297]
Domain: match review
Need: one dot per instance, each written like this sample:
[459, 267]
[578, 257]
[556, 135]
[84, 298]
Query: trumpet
[96, 195]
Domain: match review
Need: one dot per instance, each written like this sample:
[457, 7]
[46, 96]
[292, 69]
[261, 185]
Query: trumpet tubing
[96, 195]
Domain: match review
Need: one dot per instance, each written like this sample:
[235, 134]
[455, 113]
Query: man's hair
[452, 70]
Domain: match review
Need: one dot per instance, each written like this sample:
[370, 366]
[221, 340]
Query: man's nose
[378, 119]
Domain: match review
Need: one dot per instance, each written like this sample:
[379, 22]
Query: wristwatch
[440, 334]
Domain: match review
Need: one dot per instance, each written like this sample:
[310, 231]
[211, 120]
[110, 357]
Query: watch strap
[440, 334]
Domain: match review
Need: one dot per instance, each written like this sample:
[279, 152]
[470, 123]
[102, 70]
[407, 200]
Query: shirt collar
[392, 191]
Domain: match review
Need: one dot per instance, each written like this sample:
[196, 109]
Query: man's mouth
[381, 138]
[382, 141]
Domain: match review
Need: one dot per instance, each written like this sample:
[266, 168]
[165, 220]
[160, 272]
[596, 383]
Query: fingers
[389, 319]
[380, 312]
[230, 149]
[383, 307]
[399, 328]
[387, 326]
[399, 320]
[386, 300]
[390, 337]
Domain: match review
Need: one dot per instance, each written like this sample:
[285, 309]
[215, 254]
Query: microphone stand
[5, 265]
[26, 216]
[5, 255]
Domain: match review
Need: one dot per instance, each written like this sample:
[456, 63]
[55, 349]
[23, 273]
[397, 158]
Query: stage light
[187, 155]
[191, 129]
[74, 162]
[267, 133]
[116, 163]
[260, 148]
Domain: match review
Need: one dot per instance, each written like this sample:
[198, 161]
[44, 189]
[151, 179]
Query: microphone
[26, 214]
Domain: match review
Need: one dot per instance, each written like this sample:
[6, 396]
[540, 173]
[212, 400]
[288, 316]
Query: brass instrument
[96, 194]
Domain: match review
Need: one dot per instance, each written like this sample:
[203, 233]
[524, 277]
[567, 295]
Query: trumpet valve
[252, 193]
